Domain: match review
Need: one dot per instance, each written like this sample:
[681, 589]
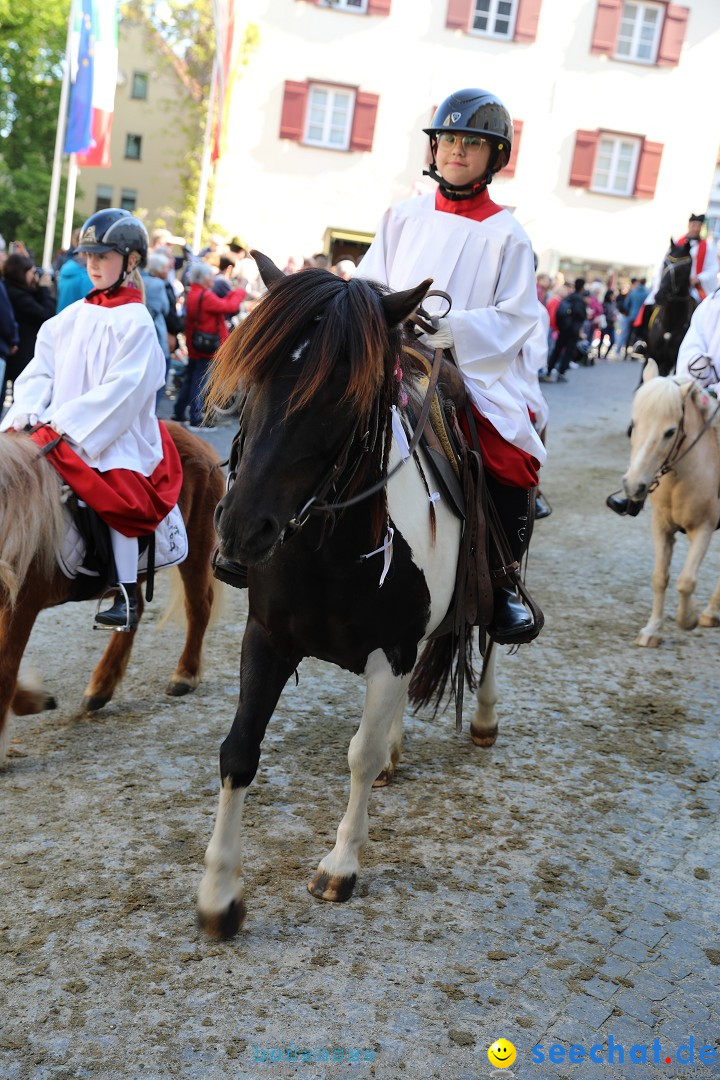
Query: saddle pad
[171, 546]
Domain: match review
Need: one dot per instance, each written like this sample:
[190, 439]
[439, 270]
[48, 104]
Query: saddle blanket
[171, 545]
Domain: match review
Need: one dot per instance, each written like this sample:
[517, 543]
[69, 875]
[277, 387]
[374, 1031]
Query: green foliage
[32, 46]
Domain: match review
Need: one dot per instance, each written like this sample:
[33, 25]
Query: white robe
[94, 377]
[708, 276]
[487, 269]
[532, 358]
[703, 340]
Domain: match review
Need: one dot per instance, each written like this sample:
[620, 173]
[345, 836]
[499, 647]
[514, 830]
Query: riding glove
[23, 420]
[442, 338]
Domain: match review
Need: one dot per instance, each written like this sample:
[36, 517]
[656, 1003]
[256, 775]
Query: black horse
[667, 321]
[319, 364]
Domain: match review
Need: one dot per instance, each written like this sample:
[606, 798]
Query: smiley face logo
[501, 1054]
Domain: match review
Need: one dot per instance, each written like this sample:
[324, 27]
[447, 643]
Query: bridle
[340, 470]
[670, 267]
[671, 461]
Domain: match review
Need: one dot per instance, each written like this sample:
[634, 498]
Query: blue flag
[79, 130]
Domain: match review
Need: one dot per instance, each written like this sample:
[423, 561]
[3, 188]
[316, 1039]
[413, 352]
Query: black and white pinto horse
[670, 317]
[318, 361]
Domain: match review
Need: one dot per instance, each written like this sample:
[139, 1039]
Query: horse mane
[339, 320]
[31, 522]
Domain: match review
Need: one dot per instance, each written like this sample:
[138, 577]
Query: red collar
[477, 208]
[126, 294]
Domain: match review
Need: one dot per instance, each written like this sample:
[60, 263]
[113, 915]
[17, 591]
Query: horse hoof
[94, 702]
[648, 641]
[225, 924]
[709, 621]
[331, 887]
[179, 689]
[50, 703]
[483, 738]
[385, 777]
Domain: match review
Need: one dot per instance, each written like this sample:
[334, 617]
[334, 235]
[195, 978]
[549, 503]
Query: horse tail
[442, 658]
[175, 607]
[31, 521]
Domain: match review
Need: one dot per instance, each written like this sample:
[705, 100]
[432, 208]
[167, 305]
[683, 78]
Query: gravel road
[559, 888]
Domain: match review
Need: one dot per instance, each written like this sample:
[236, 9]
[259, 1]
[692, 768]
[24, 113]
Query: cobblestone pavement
[558, 890]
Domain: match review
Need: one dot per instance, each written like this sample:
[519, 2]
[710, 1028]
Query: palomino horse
[675, 457]
[671, 313]
[361, 587]
[31, 531]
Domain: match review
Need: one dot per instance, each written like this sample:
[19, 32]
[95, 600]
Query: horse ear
[651, 370]
[399, 305]
[268, 270]
[687, 388]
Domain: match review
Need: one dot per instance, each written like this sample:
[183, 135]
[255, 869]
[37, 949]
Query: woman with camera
[205, 330]
[33, 304]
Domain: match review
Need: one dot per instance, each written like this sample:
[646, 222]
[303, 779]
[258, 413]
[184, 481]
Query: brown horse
[31, 533]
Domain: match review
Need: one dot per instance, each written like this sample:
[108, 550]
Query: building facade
[151, 133]
[611, 154]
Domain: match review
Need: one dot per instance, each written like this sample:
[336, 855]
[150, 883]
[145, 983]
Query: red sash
[127, 501]
[503, 460]
[477, 208]
[699, 261]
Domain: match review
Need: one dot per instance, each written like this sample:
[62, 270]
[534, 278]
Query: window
[140, 85]
[639, 33]
[103, 197]
[616, 165]
[359, 7]
[128, 199]
[329, 117]
[495, 18]
[133, 147]
[348, 5]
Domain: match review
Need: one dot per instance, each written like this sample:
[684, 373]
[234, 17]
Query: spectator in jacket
[73, 282]
[8, 332]
[32, 304]
[205, 314]
[570, 316]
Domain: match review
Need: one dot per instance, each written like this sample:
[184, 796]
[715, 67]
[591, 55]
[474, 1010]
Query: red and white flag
[105, 69]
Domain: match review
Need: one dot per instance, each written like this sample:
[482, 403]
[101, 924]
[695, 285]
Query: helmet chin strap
[120, 281]
[458, 192]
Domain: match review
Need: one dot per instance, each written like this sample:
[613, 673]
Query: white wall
[281, 196]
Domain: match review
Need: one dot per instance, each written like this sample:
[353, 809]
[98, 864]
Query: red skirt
[507, 463]
[127, 501]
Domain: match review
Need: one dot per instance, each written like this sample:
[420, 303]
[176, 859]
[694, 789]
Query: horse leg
[387, 773]
[263, 674]
[664, 541]
[111, 668]
[369, 750]
[711, 614]
[199, 589]
[15, 626]
[687, 579]
[484, 725]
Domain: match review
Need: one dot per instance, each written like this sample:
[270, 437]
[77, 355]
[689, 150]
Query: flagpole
[69, 202]
[59, 139]
[205, 172]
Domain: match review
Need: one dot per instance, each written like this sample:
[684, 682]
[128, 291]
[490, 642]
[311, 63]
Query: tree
[32, 49]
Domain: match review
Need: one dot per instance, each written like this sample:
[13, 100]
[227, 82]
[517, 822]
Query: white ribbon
[386, 550]
[399, 435]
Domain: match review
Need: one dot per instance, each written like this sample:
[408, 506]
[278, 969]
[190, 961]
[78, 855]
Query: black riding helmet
[472, 112]
[115, 230]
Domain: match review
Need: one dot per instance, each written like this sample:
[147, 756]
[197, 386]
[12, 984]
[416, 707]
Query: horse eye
[669, 433]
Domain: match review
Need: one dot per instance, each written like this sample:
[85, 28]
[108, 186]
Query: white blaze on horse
[675, 458]
[318, 362]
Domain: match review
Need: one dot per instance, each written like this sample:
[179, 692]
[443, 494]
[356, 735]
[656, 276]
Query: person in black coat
[32, 303]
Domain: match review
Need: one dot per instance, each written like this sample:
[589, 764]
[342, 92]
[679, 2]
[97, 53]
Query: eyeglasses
[469, 142]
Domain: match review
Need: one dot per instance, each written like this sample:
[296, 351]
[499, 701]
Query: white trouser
[125, 550]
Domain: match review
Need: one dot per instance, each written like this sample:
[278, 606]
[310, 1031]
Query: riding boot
[624, 507]
[122, 615]
[512, 623]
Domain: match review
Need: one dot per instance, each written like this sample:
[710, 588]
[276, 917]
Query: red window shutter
[458, 14]
[673, 35]
[584, 158]
[648, 169]
[526, 21]
[292, 121]
[363, 128]
[509, 169]
[379, 7]
[607, 24]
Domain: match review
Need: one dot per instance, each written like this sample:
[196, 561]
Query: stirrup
[130, 624]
